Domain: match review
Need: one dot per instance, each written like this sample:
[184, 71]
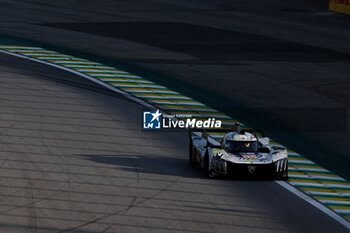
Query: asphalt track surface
[278, 65]
[74, 158]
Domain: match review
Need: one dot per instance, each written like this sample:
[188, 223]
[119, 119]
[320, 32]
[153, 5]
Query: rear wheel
[206, 166]
[191, 158]
[206, 162]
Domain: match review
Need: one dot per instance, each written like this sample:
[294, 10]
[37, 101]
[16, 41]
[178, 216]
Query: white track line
[333, 201]
[300, 161]
[323, 184]
[316, 177]
[315, 203]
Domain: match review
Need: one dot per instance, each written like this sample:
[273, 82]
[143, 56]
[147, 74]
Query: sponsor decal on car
[249, 156]
[251, 169]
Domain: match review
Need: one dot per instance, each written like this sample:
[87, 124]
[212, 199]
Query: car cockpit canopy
[240, 142]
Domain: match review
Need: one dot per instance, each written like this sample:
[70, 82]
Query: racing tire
[191, 158]
[206, 167]
[282, 176]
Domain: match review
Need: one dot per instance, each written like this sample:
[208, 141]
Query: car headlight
[282, 165]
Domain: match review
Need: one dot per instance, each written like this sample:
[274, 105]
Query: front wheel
[282, 176]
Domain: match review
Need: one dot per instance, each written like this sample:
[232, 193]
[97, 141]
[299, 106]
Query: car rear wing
[214, 142]
[256, 132]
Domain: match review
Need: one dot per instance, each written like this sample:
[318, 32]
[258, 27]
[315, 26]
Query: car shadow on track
[160, 165]
[151, 164]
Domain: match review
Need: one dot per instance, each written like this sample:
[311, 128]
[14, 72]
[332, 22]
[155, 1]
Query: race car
[240, 153]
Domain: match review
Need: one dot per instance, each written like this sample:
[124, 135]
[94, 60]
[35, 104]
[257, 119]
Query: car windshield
[241, 146]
